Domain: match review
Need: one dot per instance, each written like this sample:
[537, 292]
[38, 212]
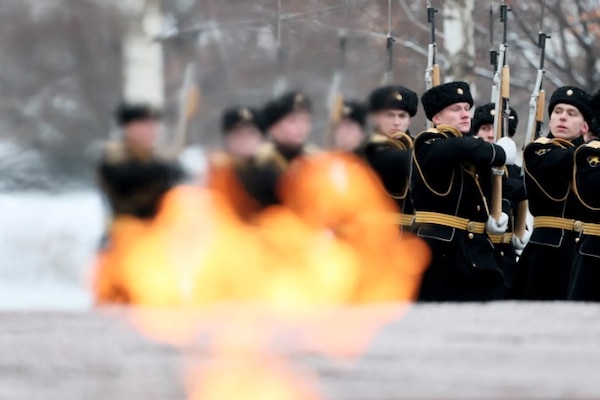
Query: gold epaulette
[562, 143]
[400, 140]
[542, 140]
[447, 129]
[115, 152]
[403, 140]
[219, 159]
[266, 153]
[594, 144]
[310, 148]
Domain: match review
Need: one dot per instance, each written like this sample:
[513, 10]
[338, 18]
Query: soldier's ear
[436, 119]
[585, 128]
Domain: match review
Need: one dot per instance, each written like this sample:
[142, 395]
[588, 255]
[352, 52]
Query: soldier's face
[292, 130]
[142, 134]
[486, 132]
[390, 122]
[243, 141]
[566, 122]
[457, 115]
[348, 135]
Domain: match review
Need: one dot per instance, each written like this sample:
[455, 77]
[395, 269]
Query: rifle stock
[335, 115]
[436, 75]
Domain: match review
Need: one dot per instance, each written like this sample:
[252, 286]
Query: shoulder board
[429, 136]
[542, 140]
[115, 152]
[219, 159]
[403, 140]
[563, 143]
[310, 148]
[594, 144]
[265, 153]
[450, 131]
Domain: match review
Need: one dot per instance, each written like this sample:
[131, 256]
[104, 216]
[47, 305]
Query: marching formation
[456, 185]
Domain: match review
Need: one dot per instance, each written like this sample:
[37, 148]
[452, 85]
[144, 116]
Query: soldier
[131, 173]
[288, 120]
[513, 192]
[243, 132]
[235, 172]
[584, 283]
[349, 132]
[451, 211]
[544, 267]
[388, 150]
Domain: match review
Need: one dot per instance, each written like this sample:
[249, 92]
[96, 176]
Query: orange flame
[331, 243]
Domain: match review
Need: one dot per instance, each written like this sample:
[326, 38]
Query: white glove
[510, 149]
[520, 243]
[497, 227]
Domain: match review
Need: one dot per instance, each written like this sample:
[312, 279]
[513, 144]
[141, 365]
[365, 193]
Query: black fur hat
[573, 96]
[393, 98]
[439, 97]
[285, 104]
[241, 115]
[485, 115]
[129, 112]
[355, 111]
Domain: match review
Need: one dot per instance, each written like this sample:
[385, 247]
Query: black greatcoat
[544, 266]
[446, 179]
[390, 158]
[135, 186]
[585, 274]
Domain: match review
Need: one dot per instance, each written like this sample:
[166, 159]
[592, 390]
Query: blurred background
[67, 63]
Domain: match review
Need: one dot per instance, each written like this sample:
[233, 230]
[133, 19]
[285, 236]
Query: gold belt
[591, 229]
[402, 219]
[452, 221]
[558, 223]
[503, 238]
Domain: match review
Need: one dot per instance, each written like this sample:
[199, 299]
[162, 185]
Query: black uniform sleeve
[548, 158]
[438, 150]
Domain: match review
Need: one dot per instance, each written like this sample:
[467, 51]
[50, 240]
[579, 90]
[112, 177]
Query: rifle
[388, 76]
[493, 53]
[189, 99]
[502, 108]
[335, 99]
[432, 72]
[535, 118]
[538, 95]
[281, 83]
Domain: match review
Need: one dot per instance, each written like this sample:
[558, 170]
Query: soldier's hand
[520, 243]
[510, 149]
[497, 227]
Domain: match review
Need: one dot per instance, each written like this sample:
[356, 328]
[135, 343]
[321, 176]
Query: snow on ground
[47, 247]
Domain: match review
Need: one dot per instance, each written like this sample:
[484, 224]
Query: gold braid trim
[563, 144]
[416, 163]
[594, 145]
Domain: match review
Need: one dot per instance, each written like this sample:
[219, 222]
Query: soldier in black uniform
[584, 282]
[349, 132]
[288, 121]
[513, 190]
[131, 173]
[451, 211]
[235, 171]
[388, 150]
[544, 267]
